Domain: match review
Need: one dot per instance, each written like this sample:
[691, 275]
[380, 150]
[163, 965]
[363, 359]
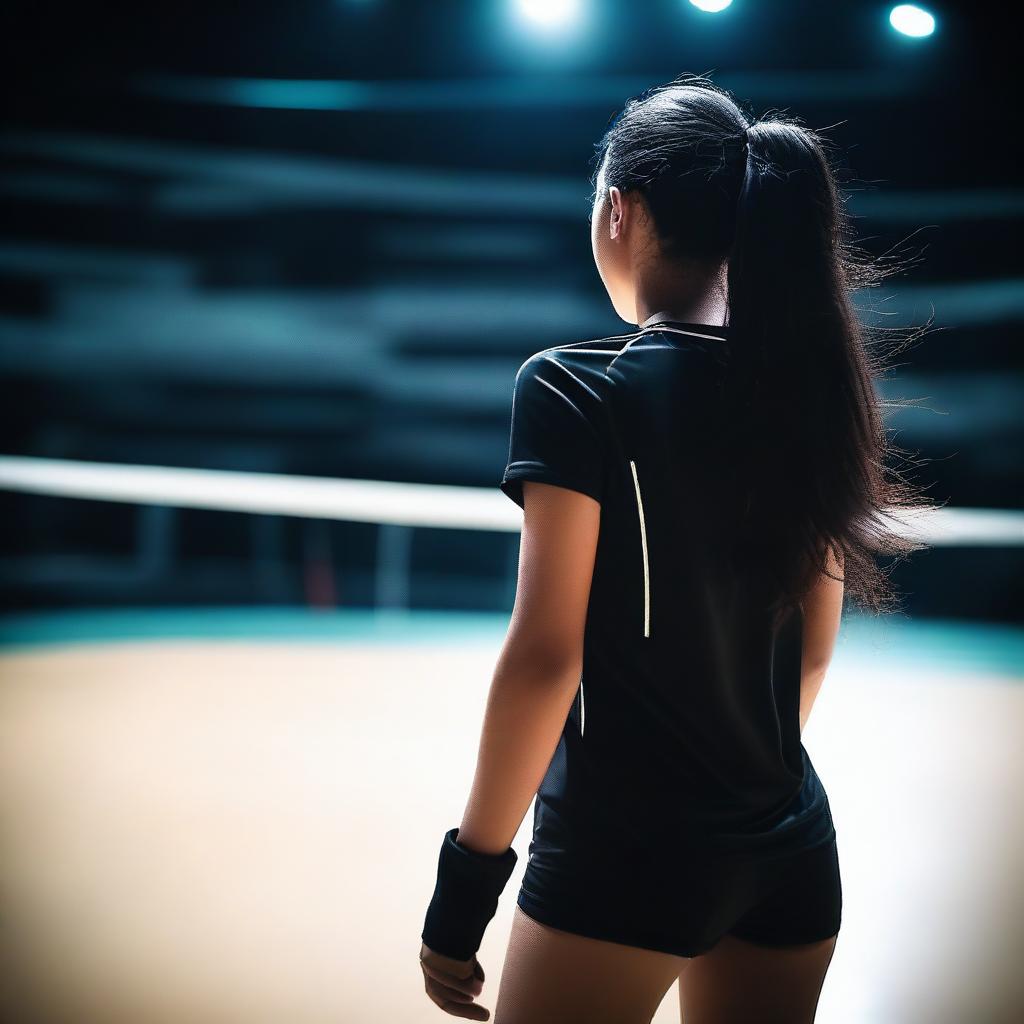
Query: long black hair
[807, 478]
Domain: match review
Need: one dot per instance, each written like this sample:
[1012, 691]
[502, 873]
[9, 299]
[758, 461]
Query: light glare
[549, 12]
[711, 6]
[911, 20]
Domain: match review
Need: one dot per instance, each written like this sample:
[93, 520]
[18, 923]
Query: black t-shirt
[685, 728]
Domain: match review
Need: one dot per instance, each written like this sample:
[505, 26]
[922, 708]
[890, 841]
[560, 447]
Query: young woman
[698, 495]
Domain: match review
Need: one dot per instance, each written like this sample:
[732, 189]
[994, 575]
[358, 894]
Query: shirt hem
[511, 483]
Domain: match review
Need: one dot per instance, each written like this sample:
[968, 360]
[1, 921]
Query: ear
[618, 208]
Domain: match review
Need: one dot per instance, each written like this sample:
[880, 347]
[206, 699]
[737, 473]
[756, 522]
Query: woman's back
[685, 732]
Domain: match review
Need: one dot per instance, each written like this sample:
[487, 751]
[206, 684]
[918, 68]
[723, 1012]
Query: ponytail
[800, 440]
[800, 412]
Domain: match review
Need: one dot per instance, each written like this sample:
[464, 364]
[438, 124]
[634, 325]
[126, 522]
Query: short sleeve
[555, 435]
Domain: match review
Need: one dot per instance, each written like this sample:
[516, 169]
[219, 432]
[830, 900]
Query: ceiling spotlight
[549, 13]
[911, 20]
[711, 6]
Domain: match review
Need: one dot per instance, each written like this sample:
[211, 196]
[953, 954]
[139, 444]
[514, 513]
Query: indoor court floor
[215, 816]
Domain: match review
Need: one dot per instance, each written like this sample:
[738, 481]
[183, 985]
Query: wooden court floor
[246, 830]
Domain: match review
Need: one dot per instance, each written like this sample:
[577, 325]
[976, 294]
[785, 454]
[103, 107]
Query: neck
[692, 315]
[659, 298]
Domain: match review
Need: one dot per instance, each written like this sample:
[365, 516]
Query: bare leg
[556, 977]
[737, 982]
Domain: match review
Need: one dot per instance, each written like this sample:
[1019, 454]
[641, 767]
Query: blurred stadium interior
[266, 275]
[327, 254]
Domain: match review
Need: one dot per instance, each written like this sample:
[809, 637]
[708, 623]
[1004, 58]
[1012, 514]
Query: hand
[452, 984]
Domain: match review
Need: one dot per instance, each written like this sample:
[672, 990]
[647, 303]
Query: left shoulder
[574, 368]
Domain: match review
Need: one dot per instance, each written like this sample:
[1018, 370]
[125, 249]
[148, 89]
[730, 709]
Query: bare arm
[822, 609]
[538, 670]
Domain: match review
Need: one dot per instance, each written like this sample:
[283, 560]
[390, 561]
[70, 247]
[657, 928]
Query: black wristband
[465, 897]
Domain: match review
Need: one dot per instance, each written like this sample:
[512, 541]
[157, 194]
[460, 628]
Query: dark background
[319, 238]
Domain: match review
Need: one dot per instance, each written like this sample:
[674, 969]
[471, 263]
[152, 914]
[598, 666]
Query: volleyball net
[397, 509]
[381, 501]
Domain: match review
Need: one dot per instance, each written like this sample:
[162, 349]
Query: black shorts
[685, 904]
